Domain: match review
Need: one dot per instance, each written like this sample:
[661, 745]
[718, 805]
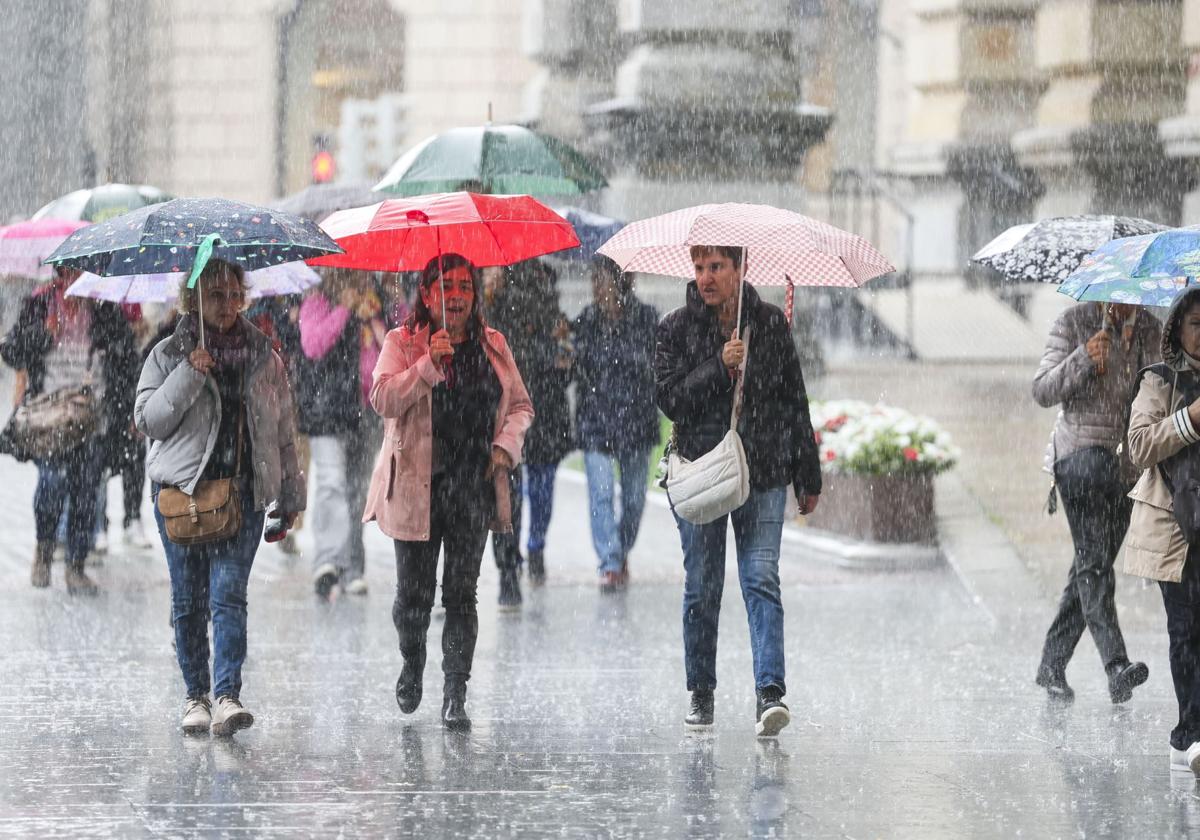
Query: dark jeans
[539, 484]
[1097, 507]
[133, 480]
[757, 530]
[71, 481]
[506, 548]
[457, 525]
[210, 580]
[1182, 602]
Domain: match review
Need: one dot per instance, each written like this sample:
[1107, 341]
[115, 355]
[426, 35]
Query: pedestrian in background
[71, 344]
[1089, 367]
[525, 309]
[213, 411]
[615, 413]
[341, 333]
[456, 413]
[696, 364]
[1163, 543]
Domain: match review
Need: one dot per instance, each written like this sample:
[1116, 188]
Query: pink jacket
[404, 378]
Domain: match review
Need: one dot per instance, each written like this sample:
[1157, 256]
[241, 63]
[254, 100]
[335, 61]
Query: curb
[982, 556]
[848, 553]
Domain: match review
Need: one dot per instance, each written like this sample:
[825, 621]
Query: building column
[971, 80]
[1180, 135]
[1114, 71]
[707, 106]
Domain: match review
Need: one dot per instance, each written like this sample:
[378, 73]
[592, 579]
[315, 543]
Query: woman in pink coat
[455, 412]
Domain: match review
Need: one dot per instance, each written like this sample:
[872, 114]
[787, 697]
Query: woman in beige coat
[1164, 424]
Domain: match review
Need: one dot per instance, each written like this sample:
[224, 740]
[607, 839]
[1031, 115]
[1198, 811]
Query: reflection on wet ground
[913, 715]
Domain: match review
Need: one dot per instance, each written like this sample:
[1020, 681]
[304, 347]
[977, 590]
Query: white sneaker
[135, 535]
[229, 716]
[1179, 761]
[324, 579]
[197, 715]
[358, 586]
[1193, 757]
[101, 546]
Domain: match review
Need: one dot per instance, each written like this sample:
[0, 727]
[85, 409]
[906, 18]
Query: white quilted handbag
[717, 482]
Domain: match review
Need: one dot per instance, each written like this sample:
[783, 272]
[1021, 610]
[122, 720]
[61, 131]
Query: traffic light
[324, 168]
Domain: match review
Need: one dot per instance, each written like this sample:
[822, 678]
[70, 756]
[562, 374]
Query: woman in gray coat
[1089, 367]
[217, 410]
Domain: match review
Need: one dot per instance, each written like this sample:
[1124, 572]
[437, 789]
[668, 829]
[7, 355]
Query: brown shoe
[39, 576]
[610, 582]
[78, 583]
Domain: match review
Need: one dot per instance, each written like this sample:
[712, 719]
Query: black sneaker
[1122, 683]
[325, 578]
[772, 714]
[1055, 683]
[537, 568]
[510, 590]
[700, 712]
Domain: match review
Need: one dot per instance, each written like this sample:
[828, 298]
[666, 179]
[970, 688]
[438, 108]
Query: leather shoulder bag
[213, 512]
[718, 482]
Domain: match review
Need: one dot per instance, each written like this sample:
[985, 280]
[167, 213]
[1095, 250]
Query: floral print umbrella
[1049, 250]
[1107, 275]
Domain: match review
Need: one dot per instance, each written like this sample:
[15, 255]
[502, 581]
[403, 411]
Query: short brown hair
[212, 270]
[734, 252]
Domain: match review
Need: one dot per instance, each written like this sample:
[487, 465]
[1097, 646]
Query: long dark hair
[432, 273]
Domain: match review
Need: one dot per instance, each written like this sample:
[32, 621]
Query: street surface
[913, 715]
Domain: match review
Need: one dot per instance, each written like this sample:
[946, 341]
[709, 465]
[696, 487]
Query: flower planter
[879, 508]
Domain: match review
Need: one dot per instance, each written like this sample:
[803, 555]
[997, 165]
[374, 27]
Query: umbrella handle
[741, 282]
[200, 308]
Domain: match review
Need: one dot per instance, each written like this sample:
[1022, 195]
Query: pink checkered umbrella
[782, 248]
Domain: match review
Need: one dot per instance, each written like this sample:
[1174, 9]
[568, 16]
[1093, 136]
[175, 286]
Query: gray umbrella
[319, 200]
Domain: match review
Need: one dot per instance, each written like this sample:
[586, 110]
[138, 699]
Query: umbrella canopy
[782, 247]
[99, 204]
[285, 279]
[1172, 253]
[182, 234]
[25, 245]
[497, 159]
[592, 229]
[1108, 275]
[1049, 250]
[319, 200]
[405, 234]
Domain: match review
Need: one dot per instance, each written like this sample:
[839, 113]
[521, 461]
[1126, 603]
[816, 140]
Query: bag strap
[736, 411]
[241, 421]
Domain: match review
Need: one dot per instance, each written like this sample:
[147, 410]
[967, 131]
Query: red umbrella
[404, 234]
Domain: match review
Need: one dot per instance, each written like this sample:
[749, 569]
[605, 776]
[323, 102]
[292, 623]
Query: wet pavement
[914, 715]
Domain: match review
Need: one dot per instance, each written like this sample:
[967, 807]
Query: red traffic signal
[323, 167]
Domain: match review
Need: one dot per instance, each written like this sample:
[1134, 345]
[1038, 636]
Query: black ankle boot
[537, 568]
[700, 712]
[1055, 683]
[454, 707]
[1125, 679]
[510, 590]
[408, 687]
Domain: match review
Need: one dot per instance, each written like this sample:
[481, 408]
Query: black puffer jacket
[695, 390]
[28, 342]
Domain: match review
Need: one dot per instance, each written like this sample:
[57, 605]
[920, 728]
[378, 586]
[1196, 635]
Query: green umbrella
[495, 159]
[99, 204]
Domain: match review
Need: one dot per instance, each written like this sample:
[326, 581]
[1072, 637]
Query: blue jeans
[757, 530]
[71, 484]
[210, 580]
[614, 540]
[539, 486]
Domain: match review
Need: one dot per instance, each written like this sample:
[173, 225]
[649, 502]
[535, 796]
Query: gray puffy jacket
[179, 409]
[1094, 405]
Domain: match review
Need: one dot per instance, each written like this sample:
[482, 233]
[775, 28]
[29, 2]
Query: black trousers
[457, 524]
[1182, 602]
[1097, 507]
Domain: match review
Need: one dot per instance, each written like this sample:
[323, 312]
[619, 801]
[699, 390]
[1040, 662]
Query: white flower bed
[858, 438]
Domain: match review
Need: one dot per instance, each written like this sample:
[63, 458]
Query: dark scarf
[229, 349]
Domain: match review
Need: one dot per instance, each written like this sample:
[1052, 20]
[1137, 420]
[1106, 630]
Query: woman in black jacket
[699, 353]
[69, 343]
